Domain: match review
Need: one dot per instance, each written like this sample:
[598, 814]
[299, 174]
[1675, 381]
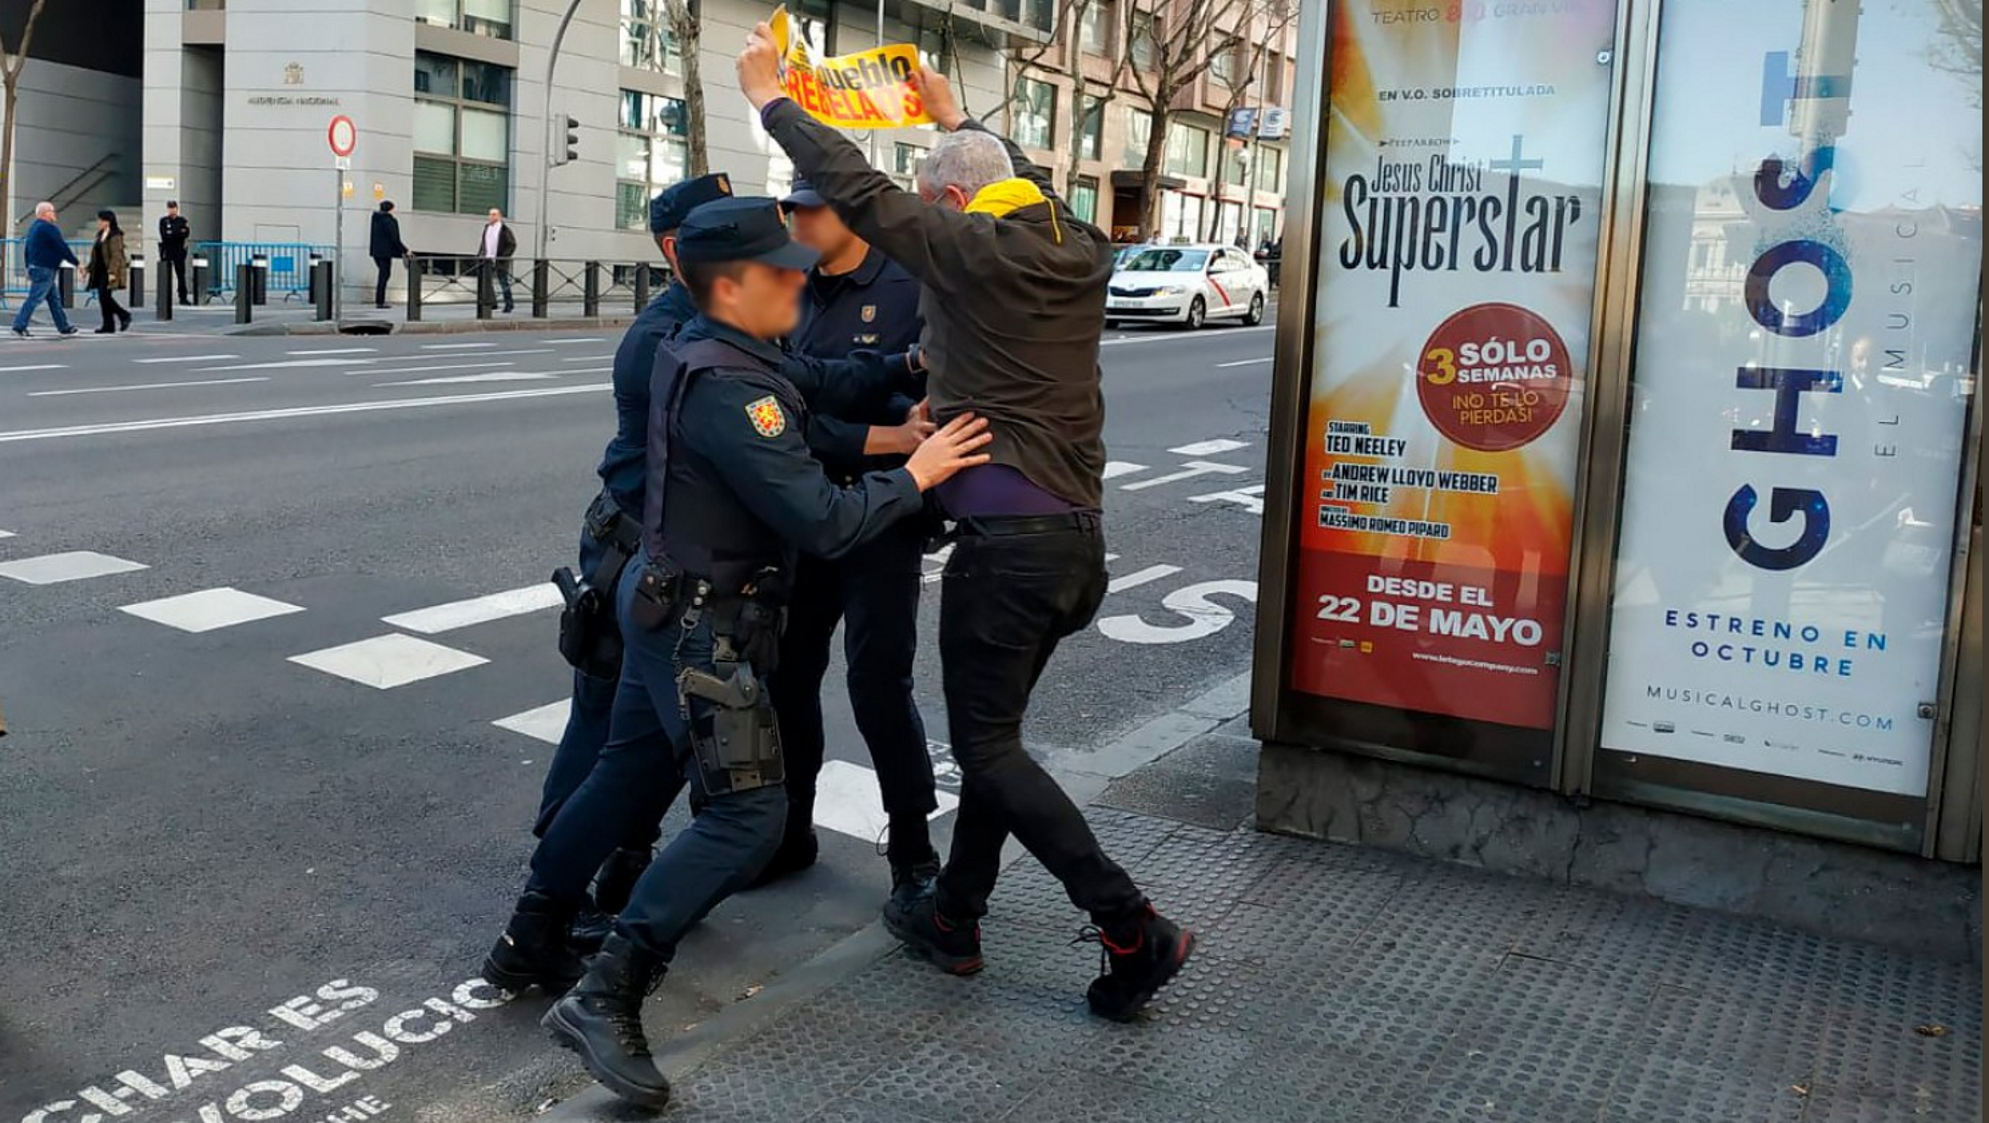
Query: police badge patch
[765, 414]
[870, 313]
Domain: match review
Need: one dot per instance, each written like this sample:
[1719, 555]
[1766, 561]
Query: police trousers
[645, 763]
[1007, 601]
[874, 592]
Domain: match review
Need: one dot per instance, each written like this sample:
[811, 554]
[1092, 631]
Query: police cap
[668, 210]
[747, 228]
[803, 194]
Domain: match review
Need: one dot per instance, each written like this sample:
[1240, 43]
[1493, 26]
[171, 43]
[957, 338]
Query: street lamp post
[545, 116]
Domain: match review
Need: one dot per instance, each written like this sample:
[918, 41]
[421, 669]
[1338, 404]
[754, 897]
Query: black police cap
[748, 228]
[668, 210]
[803, 194]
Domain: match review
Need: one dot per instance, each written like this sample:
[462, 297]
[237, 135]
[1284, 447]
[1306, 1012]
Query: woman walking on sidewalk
[107, 265]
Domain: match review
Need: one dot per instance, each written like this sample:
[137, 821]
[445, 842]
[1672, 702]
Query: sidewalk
[1344, 985]
[280, 317]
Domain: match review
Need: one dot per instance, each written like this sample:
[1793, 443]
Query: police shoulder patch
[766, 416]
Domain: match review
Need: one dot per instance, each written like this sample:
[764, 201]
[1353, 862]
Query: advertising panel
[1804, 372]
[1465, 155]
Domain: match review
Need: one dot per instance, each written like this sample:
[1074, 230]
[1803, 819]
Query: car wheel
[1256, 314]
[1198, 314]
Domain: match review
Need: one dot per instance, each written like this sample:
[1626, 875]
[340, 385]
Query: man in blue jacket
[45, 249]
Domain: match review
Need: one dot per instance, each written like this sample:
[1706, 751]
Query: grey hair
[968, 159]
[44, 207]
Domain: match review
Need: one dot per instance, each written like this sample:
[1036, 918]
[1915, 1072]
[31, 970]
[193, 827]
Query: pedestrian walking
[385, 246]
[174, 233]
[106, 270]
[44, 250]
[856, 299]
[496, 247]
[700, 615]
[1014, 297]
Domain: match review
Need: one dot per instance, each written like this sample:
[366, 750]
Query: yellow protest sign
[870, 89]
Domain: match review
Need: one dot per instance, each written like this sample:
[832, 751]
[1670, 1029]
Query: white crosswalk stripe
[1115, 468]
[847, 801]
[1210, 448]
[544, 723]
[477, 610]
[210, 609]
[385, 662]
[6, 534]
[76, 565]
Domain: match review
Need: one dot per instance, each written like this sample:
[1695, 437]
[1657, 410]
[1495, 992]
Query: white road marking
[1243, 363]
[286, 364]
[463, 379]
[1204, 617]
[210, 609]
[36, 366]
[141, 386]
[577, 339]
[1115, 468]
[189, 359]
[521, 351]
[76, 565]
[478, 610]
[385, 662]
[6, 534]
[428, 368]
[586, 358]
[1210, 448]
[1188, 472]
[545, 723]
[297, 411]
[847, 801]
[1140, 577]
[455, 346]
[1249, 498]
[1173, 337]
[334, 351]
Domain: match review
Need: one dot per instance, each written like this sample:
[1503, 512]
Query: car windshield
[1166, 261]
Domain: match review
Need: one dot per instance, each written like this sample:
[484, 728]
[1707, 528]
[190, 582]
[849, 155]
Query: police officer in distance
[732, 493]
[855, 299]
[610, 535]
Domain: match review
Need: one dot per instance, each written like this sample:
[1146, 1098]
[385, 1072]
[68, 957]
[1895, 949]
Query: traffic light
[569, 151]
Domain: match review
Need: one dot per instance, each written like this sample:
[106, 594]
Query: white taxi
[1187, 285]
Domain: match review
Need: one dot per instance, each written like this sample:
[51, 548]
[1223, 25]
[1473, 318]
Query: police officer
[856, 299]
[610, 534]
[174, 232]
[732, 492]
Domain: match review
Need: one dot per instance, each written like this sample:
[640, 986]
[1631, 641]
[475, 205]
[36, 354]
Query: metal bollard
[163, 310]
[199, 282]
[244, 293]
[312, 279]
[322, 286]
[137, 267]
[486, 289]
[416, 268]
[65, 285]
[541, 294]
[260, 264]
[641, 286]
[590, 290]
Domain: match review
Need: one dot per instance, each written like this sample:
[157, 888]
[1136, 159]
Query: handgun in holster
[588, 639]
[736, 738]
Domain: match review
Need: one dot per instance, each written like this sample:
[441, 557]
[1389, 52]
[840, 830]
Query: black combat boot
[533, 952]
[798, 849]
[1138, 958]
[601, 1019]
[954, 948]
[612, 886]
[914, 863]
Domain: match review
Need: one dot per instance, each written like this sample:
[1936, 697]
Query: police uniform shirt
[874, 307]
[621, 468]
[173, 235]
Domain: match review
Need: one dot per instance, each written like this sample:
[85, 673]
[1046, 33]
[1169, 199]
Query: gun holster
[589, 641]
[733, 734]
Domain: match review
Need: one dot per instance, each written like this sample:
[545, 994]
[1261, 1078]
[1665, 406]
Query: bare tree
[1170, 46]
[1959, 46]
[1276, 16]
[687, 29]
[11, 63]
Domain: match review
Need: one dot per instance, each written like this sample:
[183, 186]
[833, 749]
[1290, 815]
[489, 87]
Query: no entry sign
[343, 135]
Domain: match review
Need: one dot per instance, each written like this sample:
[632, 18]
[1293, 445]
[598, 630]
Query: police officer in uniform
[610, 534]
[732, 494]
[856, 299]
[174, 233]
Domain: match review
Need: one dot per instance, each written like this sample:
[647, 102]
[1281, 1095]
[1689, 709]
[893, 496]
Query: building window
[1091, 129]
[1187, 150]
[1144, 33]
[905, 165]
[1035, 113]
[1265, 229]
[651, 153]
[1139, 131]
[1095, 28]
[1084, 198]
[1224, 67]
[478, 17]
[647, 42]
[1270, 169]
[462, 134]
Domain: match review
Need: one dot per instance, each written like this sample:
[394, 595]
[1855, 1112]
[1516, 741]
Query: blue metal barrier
[289, 265]
[14, 285]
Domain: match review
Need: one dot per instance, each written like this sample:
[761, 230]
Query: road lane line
[6, 534]
[210, 609]
[76, 565]
[1121, 468]
[188, 359]
[1140, 577]
[544, 723]
[385, 662]
[141, 386]
[1249, 498]
[297, 411]
[1188, 471]
[334, 351]
[1243, 363]
[459, 379]
[586, 358]
[426, 369]
[35, 366]
[525, 351]
[440, 618]
[1210, 448]
[287, 364]
[578, 339]
[1176, 337]
[454, 346]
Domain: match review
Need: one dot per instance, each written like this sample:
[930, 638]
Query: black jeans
[178, 267]
[386, 265]
[874, 592]
[113, 312]
[1009, 599]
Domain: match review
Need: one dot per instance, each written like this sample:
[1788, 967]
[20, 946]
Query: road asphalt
[276, 653]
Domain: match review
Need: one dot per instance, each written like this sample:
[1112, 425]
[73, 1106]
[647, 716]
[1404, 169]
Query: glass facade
[462, 134]
[478, 17]
[1034, 114]
[651, 153]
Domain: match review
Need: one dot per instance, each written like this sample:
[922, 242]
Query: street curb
[428, 327]
[1084, 775]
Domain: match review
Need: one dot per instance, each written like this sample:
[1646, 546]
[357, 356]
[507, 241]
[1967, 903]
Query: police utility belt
[589, 638]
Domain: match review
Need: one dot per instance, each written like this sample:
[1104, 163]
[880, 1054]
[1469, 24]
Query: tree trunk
[7, 166]
[688, 29]
[1156, 154]
[1218, 187]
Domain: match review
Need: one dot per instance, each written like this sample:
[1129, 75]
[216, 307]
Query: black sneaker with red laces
[954, 948]
[1136, 963]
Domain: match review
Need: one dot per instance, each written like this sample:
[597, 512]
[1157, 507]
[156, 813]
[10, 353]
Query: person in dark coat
[384, 247]
[44, 251]
[107, 265]
[497, 245]
[174, 233]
